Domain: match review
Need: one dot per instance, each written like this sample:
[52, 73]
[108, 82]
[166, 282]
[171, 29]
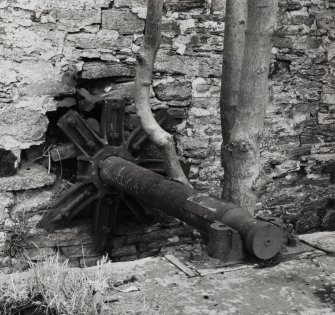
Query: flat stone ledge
[321, 240]
[29, 176]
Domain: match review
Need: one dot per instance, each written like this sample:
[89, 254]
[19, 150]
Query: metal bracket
[225, 243]
[291, 238]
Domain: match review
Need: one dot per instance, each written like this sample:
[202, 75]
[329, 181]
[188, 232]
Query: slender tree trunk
[233, 50]
[242, 156]
[146, 60]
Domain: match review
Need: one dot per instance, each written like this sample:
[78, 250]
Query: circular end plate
[265, 241]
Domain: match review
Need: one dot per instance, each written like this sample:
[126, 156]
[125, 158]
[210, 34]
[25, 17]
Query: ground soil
[297, 286]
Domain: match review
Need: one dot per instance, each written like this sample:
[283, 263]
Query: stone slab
[29, 176]
[21, 128]
[174, 91]
[125, 22]
[96, 70]
[321, 240]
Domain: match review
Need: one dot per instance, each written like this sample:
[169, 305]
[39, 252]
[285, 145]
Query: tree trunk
[146, 60]
[242, 153]
[233, 49]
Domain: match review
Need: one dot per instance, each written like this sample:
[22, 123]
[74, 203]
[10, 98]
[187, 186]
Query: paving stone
[321, 240]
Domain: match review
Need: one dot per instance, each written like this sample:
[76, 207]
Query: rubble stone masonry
[48, 46]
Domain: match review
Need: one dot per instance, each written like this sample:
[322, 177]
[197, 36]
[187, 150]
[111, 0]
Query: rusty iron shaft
[262, 239]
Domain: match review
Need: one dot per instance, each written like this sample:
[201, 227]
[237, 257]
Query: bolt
[71, 122]
[267, 242]
[91, 144]
[87, 193]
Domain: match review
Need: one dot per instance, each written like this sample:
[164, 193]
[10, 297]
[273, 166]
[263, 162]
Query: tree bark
[242, 153]
[233, 50]
[146, 60]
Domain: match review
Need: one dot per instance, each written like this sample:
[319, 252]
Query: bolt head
[72, 122]
[91, 144]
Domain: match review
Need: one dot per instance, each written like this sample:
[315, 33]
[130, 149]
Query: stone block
[75, 19]
[323, 152]
[205, 102]
[326, 118]
[124, 22]
[104, 39]
[200, 112]
[305, 43]
[33, 43]
[8, 73]
[282, 42]
[96, 70]
[193, 143]
[200, 88]
[43, 103]
[37, 78]
[218, 6]
[302, 17]
[179, 103]
[129, 3]
[27, 203]
[193, 67]
[176, 91]
[293, 5]
[184, 5]
[29, 176]
[21, 128]
[73, 236]
[328, 96]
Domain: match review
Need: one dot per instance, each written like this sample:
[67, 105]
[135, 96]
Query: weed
[17, 238]
[51, 287]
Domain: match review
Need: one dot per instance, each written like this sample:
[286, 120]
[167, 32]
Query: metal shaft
[262, 239]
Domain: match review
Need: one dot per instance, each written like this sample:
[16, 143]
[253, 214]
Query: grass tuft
[51, 287]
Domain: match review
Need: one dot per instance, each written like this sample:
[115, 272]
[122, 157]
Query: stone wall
[299, 142]
[49, 49]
